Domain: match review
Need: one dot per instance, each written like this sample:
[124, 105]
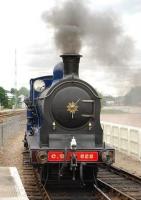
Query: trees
[22, 90]
[7, 100]
[3, 97]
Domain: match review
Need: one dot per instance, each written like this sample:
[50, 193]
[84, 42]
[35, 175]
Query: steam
[77, 26]
[135, 79]
[66, 21]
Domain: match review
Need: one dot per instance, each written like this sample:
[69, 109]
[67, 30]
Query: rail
[33, 187]
[124, 184]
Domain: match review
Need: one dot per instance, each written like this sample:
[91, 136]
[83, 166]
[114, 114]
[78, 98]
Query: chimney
[71, 64]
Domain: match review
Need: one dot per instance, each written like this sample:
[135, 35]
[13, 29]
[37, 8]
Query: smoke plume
[77, 26]
[135, 78]
[66, 20]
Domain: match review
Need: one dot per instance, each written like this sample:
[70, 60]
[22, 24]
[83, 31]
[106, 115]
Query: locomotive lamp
[73, 144]
[90, 126]
[73, 163]
[39, 85]
[54, 125]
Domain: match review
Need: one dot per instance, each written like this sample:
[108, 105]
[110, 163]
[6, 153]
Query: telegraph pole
[15, 83]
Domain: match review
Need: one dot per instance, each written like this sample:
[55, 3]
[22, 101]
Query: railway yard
[121, 181]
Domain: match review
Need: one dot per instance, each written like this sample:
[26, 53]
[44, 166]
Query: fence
[126, 139]
[10, 127]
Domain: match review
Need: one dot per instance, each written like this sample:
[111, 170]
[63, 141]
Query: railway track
[112, 181]
[36, 191]
[73, 191]
[33, 187]
[120, 182]
[6, 114]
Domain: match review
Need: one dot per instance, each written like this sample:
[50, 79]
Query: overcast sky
[23, 29]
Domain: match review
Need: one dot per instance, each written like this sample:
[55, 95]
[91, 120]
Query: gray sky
[23, 29]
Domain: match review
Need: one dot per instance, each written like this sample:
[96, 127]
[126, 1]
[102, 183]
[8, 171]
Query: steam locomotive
[64, 134]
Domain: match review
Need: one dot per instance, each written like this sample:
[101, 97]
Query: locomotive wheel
[90, 175]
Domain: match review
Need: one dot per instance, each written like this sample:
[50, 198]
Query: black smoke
[76, 26]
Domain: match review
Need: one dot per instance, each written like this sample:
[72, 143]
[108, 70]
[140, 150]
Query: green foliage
[8, 103]
[11, 102]
[14, 91]
[3, 97]
[24, 91]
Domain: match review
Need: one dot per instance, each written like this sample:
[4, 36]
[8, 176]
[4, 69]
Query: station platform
[11, 187]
